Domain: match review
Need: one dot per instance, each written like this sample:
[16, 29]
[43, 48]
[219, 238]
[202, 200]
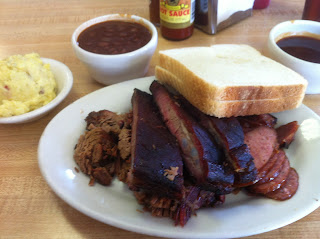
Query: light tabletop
[28, 206]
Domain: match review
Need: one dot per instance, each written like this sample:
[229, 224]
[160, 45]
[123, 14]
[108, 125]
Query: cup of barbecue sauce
[296, 44]
[116, 47]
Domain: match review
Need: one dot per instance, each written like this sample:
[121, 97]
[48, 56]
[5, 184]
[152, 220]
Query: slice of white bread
[230, 72]
[227, 108]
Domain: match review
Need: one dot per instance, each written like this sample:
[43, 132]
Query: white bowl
[111, 69]
[64, 79]
[310, 71]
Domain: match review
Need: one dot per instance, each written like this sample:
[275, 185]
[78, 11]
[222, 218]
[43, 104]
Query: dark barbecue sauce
[114, 37]
[303, 47]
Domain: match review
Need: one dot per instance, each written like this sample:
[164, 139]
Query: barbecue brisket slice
[204, 161]
[156, 163]
[229, 135]
[251, 122]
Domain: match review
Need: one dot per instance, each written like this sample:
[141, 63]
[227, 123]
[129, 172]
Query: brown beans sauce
[114, 37]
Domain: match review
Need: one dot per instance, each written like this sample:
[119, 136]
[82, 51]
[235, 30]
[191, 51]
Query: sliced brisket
[230, 136]
[251, 122]
[204, 161]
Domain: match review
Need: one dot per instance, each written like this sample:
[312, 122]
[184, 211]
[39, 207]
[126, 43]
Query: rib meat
[156, 161]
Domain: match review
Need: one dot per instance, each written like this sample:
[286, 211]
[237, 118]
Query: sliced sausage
[266, 168]
[275, 170]
[275, 183]
[286, 133]
[288, 189]
[261, 141]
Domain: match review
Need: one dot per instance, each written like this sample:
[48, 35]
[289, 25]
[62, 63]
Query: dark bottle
[261, 4]
[154, 12]
[311, 10]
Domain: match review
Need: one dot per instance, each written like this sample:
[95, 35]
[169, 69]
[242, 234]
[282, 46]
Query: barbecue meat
[109, 121]
[96, 154]
[204, 161]
[179, 210]
[156, 163]
[229, 134]
[251, 122]
[288, 188]
[262, 141]
[286, 133]
[117, 126]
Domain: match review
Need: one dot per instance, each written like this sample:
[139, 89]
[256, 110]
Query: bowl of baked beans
[115, 47]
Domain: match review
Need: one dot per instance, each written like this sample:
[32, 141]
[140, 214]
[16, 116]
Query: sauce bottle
[154, 12]
[176, 18]
[311, 10]
[261, 4]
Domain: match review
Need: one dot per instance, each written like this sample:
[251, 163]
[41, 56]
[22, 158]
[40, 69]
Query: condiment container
[309, 70]
[177, 18]
[261, 4]
[214, 15]
[311, 10]
[154, 12]
[114, 68]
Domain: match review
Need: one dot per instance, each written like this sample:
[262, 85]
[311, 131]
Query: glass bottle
[261, 4]
[311, 10]
[154, 12]
[176, 18]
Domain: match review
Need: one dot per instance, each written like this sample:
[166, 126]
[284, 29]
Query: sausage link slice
[276, 168]
[261, 141]
[266, 168]
[275, 183]
[288, 189]
[286, 133]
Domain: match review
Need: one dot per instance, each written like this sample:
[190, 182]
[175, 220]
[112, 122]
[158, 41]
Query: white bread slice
[250, 107]
[229, 108]
[239, 50]
[231, 72]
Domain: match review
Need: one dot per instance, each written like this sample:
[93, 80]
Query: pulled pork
[95, 154]
[103, 151]
[178, 210]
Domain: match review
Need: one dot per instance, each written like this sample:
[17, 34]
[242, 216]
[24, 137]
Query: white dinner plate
[240, 215]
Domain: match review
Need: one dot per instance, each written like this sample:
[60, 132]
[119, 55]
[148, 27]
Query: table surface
[28, 207]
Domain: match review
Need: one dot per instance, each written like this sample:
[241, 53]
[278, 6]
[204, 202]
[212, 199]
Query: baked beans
[114, 37]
